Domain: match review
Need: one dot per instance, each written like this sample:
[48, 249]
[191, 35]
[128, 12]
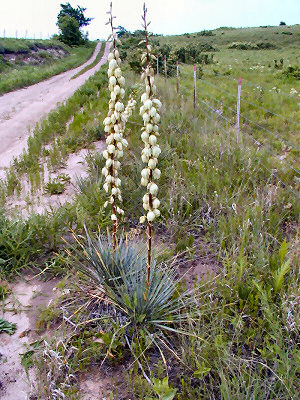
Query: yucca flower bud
[149, 112]
[142, 219]
[150, 216]
[114, 125]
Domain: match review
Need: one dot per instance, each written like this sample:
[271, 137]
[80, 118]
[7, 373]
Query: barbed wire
[244, 100]
[246, 82]
[256, 142]
[275, 135]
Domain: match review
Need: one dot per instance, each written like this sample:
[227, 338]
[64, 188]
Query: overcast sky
[38, 17]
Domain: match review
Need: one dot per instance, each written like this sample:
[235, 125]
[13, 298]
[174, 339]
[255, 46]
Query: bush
[206, 33]
[252, 46]
[293, 71]
[194, 53]
[242, 46]
[265, 46]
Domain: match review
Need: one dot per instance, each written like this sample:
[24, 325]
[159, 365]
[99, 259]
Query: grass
[7, 327]
[224, 37]
[23, 46]
[93, 64]
[218, 199]
[16, 76]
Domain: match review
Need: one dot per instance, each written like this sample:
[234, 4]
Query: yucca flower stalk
[150, 114]
[114, 125]
[128, 111]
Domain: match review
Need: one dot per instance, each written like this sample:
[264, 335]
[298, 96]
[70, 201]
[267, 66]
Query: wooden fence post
[195, 90]
[238, 108]
[177, 74]
[165, 60]
[157, 64]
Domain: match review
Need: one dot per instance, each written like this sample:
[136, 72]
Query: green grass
[93, 64]
[224, 37]
[16, 76]
[9, 45]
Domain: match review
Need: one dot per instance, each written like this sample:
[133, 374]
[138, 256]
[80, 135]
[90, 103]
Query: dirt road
[22, 109]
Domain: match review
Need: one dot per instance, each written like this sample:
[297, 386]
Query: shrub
[251, 46]
[206, 33]
[265, 46]
[292, 71]
[242, 46]
[194, 53]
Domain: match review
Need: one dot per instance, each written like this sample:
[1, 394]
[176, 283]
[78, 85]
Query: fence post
[4, 33]
[16, 34]
[157, 64]
[195, 91]
[165, 60]
[238, 108]
[177, 74]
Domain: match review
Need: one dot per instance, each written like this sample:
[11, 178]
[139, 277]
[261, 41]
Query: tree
[121, 31]
[69, 22]
[282, 23]
[77, 13]
[69, 28]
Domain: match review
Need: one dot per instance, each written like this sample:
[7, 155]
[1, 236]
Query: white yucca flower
[114, 126]
[150, 113]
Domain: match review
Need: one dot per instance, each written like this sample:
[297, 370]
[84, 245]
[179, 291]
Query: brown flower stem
[114, 209]
[149, 228]
[149, 244]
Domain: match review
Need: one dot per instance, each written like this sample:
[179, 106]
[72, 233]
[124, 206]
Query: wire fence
[23, 34]
[217, 113]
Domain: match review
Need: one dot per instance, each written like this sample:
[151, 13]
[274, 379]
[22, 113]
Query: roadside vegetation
[92, 64]
[234, 207]
[25, 62]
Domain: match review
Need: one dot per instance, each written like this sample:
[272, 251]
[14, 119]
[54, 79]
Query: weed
[7, 327]
[55, 186]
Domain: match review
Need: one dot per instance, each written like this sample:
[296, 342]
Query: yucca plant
[105, 265]
[120, 275]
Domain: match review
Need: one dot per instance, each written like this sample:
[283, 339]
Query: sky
[37, 18]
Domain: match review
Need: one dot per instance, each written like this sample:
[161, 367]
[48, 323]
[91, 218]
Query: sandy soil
[24, 304]
[22, 109]
[38, 202]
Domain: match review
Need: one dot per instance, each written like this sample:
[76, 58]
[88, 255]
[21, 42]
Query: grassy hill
[280, 36]
[25, 62]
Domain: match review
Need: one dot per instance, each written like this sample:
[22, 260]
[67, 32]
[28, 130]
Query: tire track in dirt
[22, 109]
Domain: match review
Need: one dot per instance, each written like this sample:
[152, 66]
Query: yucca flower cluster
[150, 114]
[128, 111]
[114, 127]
